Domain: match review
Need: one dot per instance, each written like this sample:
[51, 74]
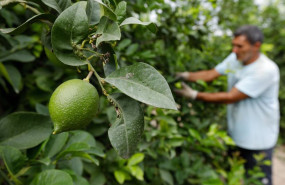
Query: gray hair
[252, 33]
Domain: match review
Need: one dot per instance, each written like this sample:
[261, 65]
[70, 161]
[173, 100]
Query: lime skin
[73, 105]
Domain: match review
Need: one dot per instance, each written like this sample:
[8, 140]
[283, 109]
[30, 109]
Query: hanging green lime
[73, 105]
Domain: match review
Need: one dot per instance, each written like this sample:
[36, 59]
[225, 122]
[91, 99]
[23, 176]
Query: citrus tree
[78, 34]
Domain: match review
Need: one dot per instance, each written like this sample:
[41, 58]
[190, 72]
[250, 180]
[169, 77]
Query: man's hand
[205, 75]
[182, 75]
[186, 91]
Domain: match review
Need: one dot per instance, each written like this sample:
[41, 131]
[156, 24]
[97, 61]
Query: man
[252, 97]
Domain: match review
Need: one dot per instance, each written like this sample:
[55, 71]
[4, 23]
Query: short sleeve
[255, 84]
[222, 67]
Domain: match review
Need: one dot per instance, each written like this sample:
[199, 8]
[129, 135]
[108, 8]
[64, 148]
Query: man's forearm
[234, 95]
[207, 75]
[220, 97]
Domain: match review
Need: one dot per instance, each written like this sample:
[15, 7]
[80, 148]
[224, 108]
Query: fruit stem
[88, 76]
[99, 79]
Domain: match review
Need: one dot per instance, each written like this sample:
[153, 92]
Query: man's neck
[253, 59]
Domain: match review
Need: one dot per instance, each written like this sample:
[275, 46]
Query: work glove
[186, 91]
[182, 75]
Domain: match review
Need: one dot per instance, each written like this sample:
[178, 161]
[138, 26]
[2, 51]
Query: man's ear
[257, 45]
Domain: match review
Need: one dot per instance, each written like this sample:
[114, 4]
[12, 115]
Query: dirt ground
[279, 166]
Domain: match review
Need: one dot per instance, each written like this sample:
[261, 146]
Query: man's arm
[222, 97]
[205, 75]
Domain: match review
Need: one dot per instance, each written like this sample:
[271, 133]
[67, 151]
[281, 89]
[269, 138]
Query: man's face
[244, 51]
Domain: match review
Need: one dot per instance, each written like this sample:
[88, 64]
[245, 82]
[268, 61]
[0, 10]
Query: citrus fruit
[73, 105]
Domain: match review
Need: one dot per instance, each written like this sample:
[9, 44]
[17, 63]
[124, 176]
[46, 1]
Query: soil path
[279, 166]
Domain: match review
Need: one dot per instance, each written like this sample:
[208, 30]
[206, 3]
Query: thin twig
[87, 49]
[83, 44]
[31, 8]
[99, 79]
[89, 58]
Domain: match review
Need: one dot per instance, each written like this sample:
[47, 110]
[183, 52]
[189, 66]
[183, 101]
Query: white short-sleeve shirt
[253, 123]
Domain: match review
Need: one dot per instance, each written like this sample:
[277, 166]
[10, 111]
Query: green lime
[73, 105]
[178, 85]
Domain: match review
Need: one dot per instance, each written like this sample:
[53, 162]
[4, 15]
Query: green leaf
[229, 141]
[126, 132]
[9, 17]
[166, 176]
[98, 178]
[107, 11]
[46, 37]
[111, 113]
[41, 109]
[74, 166]
[58, 5]
[46, 161]
[78, 180]
[45, 83]
[24, 130]
[267, 162]
[135, 159]
[132, 49]
[109, 31]
[137, 172]
[97, 129]
[123, 44]
[143, 83]
[12, 75]
[69, 30]
[3, 84]
[195, 134]
[25, 25]
[76, 147]
[132, 20]
[13, 158]
[202, 83]
[80, 136]
[84, 155]
[19, 56]
[112, 3]
[176, 141]
[120, 176]
[52, 177]
[78, 150]
[55, 144]
[80, 144]
[93, 10]
[5, 41]
[53, 59]
[111, 65]
[97, 151]
[121, 10]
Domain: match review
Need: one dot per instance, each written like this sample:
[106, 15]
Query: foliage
[177, 147]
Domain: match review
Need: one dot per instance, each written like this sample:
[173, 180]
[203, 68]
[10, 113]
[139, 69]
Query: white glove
[186, 91]
[182, 75]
